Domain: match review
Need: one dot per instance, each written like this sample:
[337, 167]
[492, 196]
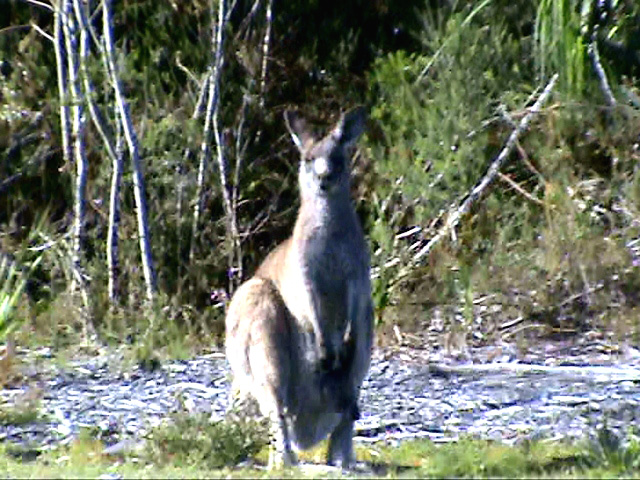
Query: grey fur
[300, 332]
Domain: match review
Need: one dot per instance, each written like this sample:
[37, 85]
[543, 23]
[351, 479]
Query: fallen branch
[492, 173]
[522, 328]
[602, 373]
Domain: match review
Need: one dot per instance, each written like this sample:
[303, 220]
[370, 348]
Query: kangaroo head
[324, 163]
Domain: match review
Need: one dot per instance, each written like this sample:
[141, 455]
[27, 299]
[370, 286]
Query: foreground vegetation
[195, 448]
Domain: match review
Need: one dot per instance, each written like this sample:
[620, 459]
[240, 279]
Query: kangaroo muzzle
[321, 167]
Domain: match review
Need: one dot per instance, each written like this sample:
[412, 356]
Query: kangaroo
[299, 333]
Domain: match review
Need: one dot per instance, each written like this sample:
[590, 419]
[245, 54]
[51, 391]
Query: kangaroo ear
[298, 128]
[351, 125]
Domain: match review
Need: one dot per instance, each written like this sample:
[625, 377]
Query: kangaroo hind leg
[270, 361]
[341, 443]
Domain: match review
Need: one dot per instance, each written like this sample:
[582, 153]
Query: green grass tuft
[194, 439]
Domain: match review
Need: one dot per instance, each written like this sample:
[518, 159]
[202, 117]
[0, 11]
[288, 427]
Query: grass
[191, 446]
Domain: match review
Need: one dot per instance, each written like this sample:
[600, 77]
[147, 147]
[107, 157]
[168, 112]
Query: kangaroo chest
[333, 264]
[331, 258]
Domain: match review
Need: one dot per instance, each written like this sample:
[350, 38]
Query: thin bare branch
[594, 55]
[211, 117]
[525, 158]
[184, 68]
[230, 9]
[494, 168]
[42, 32]
[11, 28]
[37, 3]
[245, 22]
[198, 109]
[61, 66]
[89, 91]
[600, 73]
[222, 162]
[240, 151]
[266, 43]
[202, 96]
[197, 112]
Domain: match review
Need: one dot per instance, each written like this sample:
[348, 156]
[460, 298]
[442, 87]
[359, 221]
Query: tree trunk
[78, 126]
[132, 144]
[116, 154]
[89, 92]
[58, 35]
[114, 220]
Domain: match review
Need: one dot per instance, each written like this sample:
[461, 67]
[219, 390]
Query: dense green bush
[555, 258]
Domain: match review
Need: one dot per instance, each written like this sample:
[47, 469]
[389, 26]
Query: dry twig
[509, 181]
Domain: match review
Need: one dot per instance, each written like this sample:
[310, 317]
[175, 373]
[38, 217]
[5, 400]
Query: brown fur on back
[259, 350]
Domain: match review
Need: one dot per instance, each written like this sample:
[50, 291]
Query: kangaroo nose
[321, 167]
